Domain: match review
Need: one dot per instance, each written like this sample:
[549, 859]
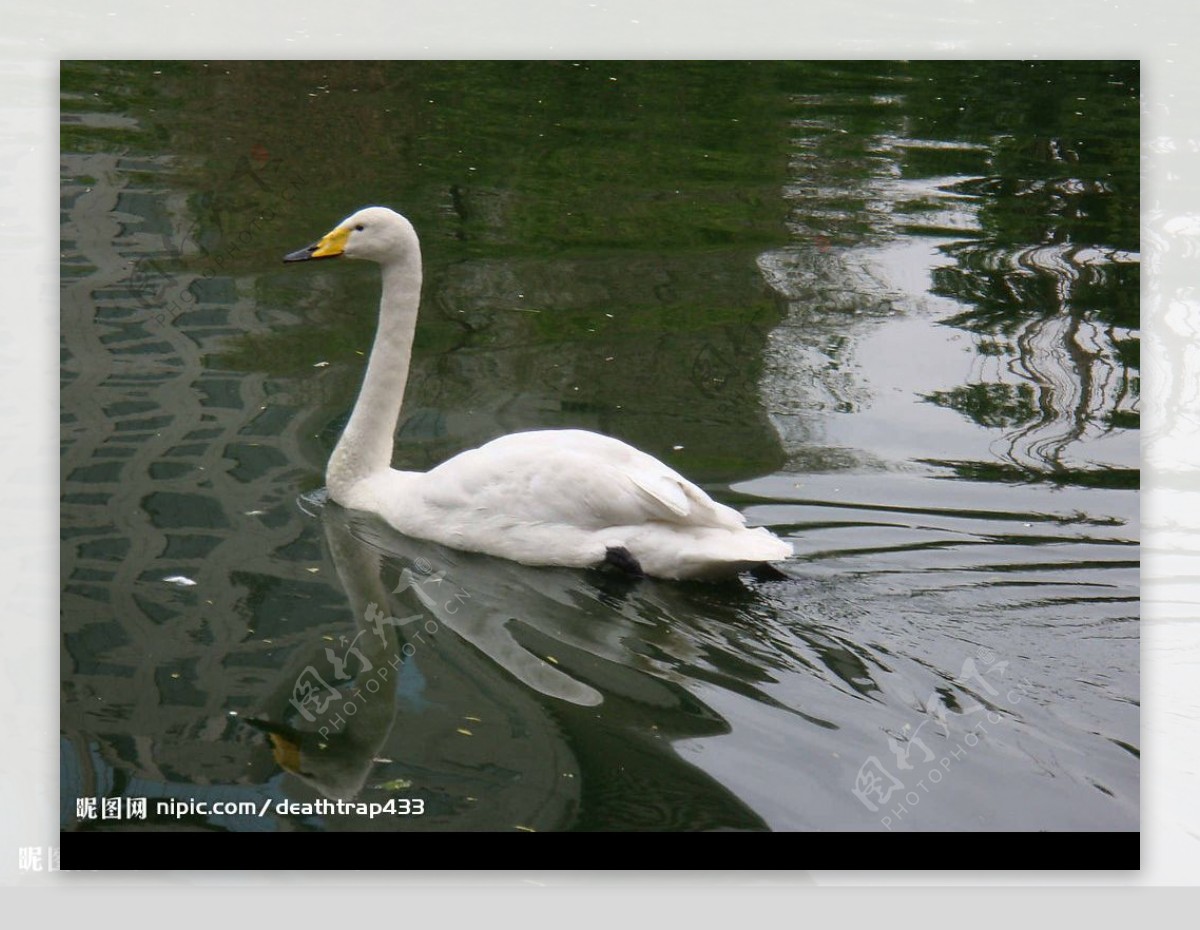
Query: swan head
[376, 234]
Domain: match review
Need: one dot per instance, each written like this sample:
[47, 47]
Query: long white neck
[365, 448]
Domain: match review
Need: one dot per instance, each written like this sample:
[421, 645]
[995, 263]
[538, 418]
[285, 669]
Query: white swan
[545, 497]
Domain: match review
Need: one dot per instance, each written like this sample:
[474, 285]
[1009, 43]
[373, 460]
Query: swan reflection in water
[501, 695]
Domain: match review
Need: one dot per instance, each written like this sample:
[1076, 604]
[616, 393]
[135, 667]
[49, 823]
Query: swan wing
[575, 478]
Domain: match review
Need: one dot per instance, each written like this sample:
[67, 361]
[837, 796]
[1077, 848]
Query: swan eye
[359, 227]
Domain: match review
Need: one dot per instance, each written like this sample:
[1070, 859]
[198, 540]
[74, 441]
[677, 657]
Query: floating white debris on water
[253, 513]
[464, 731]
[320, 364]
[676, 448]
[181, 580]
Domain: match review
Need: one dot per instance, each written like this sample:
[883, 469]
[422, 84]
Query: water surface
[890, 311]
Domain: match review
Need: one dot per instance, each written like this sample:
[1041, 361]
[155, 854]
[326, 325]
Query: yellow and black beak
[285, 742]
[331, 245]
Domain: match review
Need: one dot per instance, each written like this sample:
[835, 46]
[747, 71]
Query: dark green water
[888, 310]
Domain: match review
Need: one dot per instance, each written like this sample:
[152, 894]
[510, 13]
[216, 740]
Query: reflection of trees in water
[1030, 170]
[1066, 369]
[1052, 284]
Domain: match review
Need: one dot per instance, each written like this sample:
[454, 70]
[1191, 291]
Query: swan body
[544, 497]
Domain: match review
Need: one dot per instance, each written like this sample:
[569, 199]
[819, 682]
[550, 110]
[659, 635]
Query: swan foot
[625, 560]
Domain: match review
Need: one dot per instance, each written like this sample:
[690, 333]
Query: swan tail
[710, 553]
